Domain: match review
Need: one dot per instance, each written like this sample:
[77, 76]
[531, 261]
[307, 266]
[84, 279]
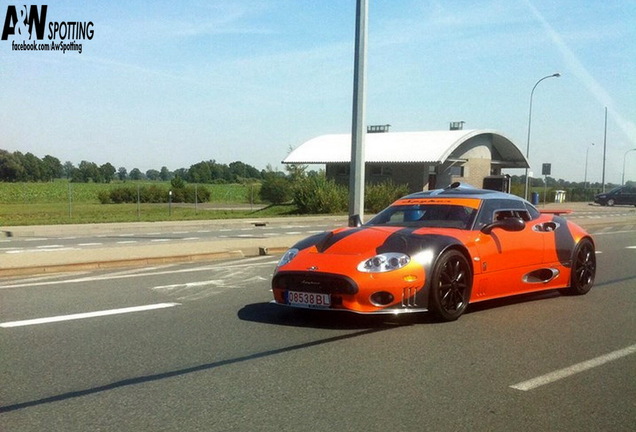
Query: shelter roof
[404, 147]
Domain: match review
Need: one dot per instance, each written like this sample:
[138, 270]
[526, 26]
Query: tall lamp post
[587, 153]
[624, 160]
[555, 75]
[356, 172]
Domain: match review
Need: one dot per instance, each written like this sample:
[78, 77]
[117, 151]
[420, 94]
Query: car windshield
[426, 215]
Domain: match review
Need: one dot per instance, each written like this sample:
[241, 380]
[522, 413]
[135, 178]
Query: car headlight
[288, 256]
[384, 263]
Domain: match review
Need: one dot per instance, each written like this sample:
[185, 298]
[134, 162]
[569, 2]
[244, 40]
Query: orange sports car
[437, 251]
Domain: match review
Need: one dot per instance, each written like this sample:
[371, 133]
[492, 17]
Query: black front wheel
[583, 268]
[451, 284]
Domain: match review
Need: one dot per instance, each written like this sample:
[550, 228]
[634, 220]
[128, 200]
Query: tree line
[19, 167]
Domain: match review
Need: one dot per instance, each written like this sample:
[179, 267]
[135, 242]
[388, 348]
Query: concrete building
[421, 160]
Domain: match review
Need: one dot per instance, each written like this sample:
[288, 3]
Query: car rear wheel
[451, 283]
[583, 268]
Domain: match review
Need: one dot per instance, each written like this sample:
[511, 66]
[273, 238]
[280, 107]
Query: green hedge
[153, 194]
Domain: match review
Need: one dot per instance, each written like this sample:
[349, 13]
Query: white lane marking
[248, 262]
[574, 369]
[127, 242]
[161, 240]
[90, 244]
[49, 246]
[612, 232]
[631, 247]
[40, 250]
[86, 315]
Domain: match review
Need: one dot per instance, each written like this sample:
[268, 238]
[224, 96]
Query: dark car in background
[622, 195]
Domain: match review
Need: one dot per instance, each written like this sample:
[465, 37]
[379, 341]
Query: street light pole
[587, 153]
[555, 75]
[356, 172]
[625, 160]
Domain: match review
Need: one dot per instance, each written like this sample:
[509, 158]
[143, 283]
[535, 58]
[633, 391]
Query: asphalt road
[29, 240]
[214, 355]
[52, 241]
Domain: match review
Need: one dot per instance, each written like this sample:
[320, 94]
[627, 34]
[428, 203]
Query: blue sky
[174, 83]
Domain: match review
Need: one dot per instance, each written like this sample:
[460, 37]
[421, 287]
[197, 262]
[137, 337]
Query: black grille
[323, 283]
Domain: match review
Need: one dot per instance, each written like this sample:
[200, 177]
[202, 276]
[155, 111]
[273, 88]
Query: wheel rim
[453, 285]
[585, 266]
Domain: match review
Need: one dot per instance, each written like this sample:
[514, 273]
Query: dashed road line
[572, 370]
[101, 313]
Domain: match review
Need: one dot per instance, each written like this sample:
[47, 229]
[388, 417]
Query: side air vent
[541, 276]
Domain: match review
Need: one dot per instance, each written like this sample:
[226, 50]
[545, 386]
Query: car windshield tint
[426, 215]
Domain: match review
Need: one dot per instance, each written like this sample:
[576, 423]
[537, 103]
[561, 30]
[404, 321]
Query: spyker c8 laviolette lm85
[437, 251]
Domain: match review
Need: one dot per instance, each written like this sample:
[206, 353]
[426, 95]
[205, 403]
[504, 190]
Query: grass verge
[84, 213]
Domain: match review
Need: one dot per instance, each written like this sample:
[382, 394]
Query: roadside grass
[57, 214]
[61, 202]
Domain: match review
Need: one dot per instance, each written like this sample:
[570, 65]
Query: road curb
[130, 262]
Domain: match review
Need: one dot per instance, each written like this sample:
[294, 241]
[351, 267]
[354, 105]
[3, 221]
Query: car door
[627, 195]
[505, 257]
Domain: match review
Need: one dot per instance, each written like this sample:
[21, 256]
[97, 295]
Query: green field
[61, 202]
[86, 193]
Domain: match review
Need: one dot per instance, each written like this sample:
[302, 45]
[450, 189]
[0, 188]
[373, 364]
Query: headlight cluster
[289, 255]
[384, 263]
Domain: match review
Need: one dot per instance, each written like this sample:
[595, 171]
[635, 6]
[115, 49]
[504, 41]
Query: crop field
[61, 202]
[63, 191]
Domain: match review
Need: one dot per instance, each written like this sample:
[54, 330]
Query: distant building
[421, 160]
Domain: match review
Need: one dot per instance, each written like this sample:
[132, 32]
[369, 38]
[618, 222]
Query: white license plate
[313, 300]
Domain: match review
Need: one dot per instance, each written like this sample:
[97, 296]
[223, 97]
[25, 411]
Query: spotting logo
[27, 27]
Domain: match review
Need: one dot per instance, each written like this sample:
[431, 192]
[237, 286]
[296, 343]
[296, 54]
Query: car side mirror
[508, 224]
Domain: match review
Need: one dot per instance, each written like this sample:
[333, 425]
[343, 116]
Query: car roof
[463, 190]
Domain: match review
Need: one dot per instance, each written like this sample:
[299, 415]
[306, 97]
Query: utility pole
[356, 171]
[604, 149]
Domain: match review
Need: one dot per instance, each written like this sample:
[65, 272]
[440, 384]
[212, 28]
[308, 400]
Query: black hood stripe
[405, 241]
[324, 241]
